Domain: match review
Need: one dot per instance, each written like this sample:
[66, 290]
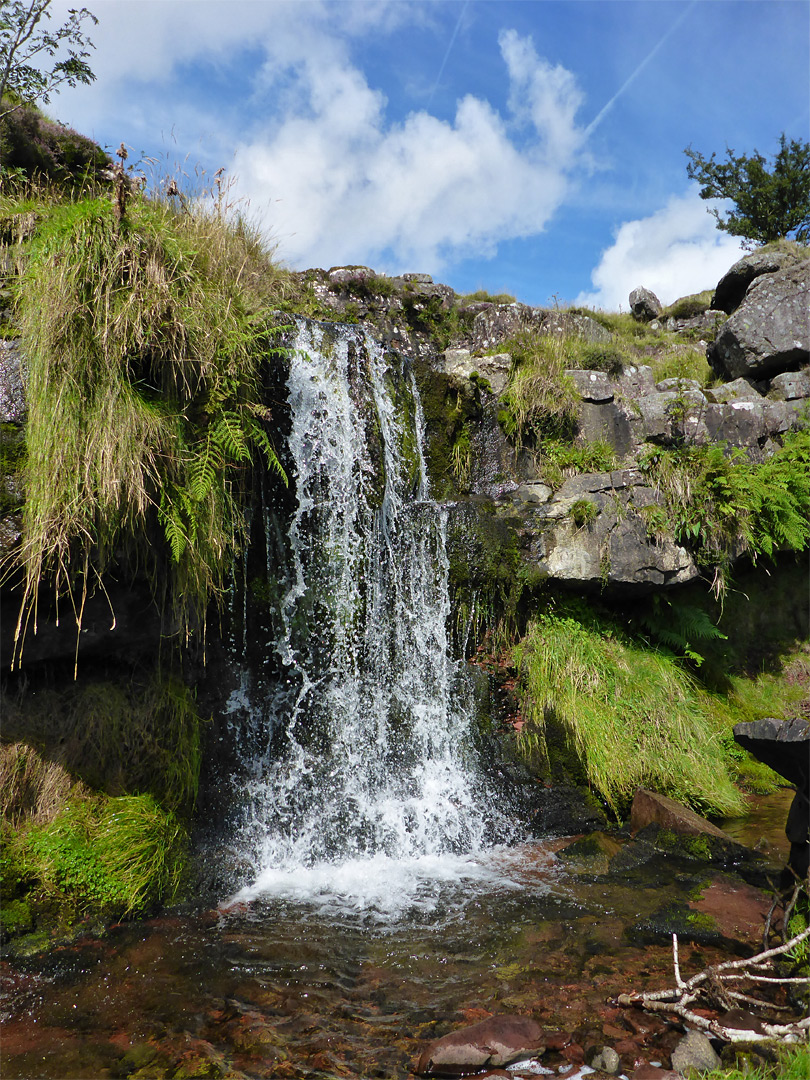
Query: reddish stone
[556, 1040]
[650, 808]
[573, 1053]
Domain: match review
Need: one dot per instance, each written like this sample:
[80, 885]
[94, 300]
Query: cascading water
[368, 790]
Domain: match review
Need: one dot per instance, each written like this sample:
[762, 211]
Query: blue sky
[532, 147]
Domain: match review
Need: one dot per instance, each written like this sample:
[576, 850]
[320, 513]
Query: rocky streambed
[552, 930]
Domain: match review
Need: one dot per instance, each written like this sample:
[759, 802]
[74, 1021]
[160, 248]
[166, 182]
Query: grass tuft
[144, 340]
[632, 715]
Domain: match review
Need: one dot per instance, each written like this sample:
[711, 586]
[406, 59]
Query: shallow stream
[287, 988]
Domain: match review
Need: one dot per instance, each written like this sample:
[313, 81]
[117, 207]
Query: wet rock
[694, 1051]
[784, 746]
[498, 1041]
[650, 808]
[644, 305]
[732, 287]
[607, 1060]
[591, 854]
[769, 333]
[565, 811]
[654, 1072]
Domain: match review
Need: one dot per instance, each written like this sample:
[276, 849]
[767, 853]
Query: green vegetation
[688, 307]
[769, 202]
[482, 296]
[631, 715]
[783, 1062]
[540, 400]
[117, 855]
[722, 505]
[144, 339]
[583, 513]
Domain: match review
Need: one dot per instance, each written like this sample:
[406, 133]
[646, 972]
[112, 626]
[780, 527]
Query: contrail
[595, 123]
[447, 53]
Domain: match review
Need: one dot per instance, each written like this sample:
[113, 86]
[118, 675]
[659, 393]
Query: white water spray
[374, 796]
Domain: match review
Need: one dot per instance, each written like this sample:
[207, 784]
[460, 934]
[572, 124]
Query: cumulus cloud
[676, 251]
[343, 184]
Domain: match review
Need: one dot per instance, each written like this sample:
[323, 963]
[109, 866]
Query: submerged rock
[498, 1041]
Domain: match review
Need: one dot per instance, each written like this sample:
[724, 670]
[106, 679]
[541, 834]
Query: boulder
[494, 369]
[650, 808]
[594, 386]
[770, 332]
[738, 390]
[732, 287]
[790, 386]
[495, 1042]
[694, 1051]
[645, 305]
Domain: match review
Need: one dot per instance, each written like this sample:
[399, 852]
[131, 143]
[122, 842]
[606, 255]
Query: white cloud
[345, 185]
[674, 252]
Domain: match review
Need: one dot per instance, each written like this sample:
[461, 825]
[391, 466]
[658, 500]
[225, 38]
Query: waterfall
[369, 782]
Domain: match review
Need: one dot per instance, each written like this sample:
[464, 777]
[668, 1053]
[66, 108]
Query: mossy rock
[16, 918]
[677, 918]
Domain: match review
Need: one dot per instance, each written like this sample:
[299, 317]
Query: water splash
[370, 788]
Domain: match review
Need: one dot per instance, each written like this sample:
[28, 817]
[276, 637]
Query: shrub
[38, 147]
[722, 505]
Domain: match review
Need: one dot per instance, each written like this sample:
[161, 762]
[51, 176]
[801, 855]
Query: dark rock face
[645, 305]
[770, 332]
[732, 287]
[495, 1042]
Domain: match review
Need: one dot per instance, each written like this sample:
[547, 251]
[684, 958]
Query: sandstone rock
[498, 1041]
[654, 1072]
[770, 332]
[644, 305]
[678, 385]
[738, 390]
[790, 386]
[694, 1051]
[592, 386]
[607, 1060]
[650, 808]
[731, 288]
[495, 369]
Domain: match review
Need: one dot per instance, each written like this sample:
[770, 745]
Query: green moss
[119, 855]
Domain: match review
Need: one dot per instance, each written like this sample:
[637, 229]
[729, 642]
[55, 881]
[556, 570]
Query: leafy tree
[770, 202]
[29, 70]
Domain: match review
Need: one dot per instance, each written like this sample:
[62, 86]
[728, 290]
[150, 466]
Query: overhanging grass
[144, 342]
[540, 400]
[632, 716]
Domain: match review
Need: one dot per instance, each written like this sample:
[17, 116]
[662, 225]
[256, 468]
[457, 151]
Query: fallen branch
[709, 983]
